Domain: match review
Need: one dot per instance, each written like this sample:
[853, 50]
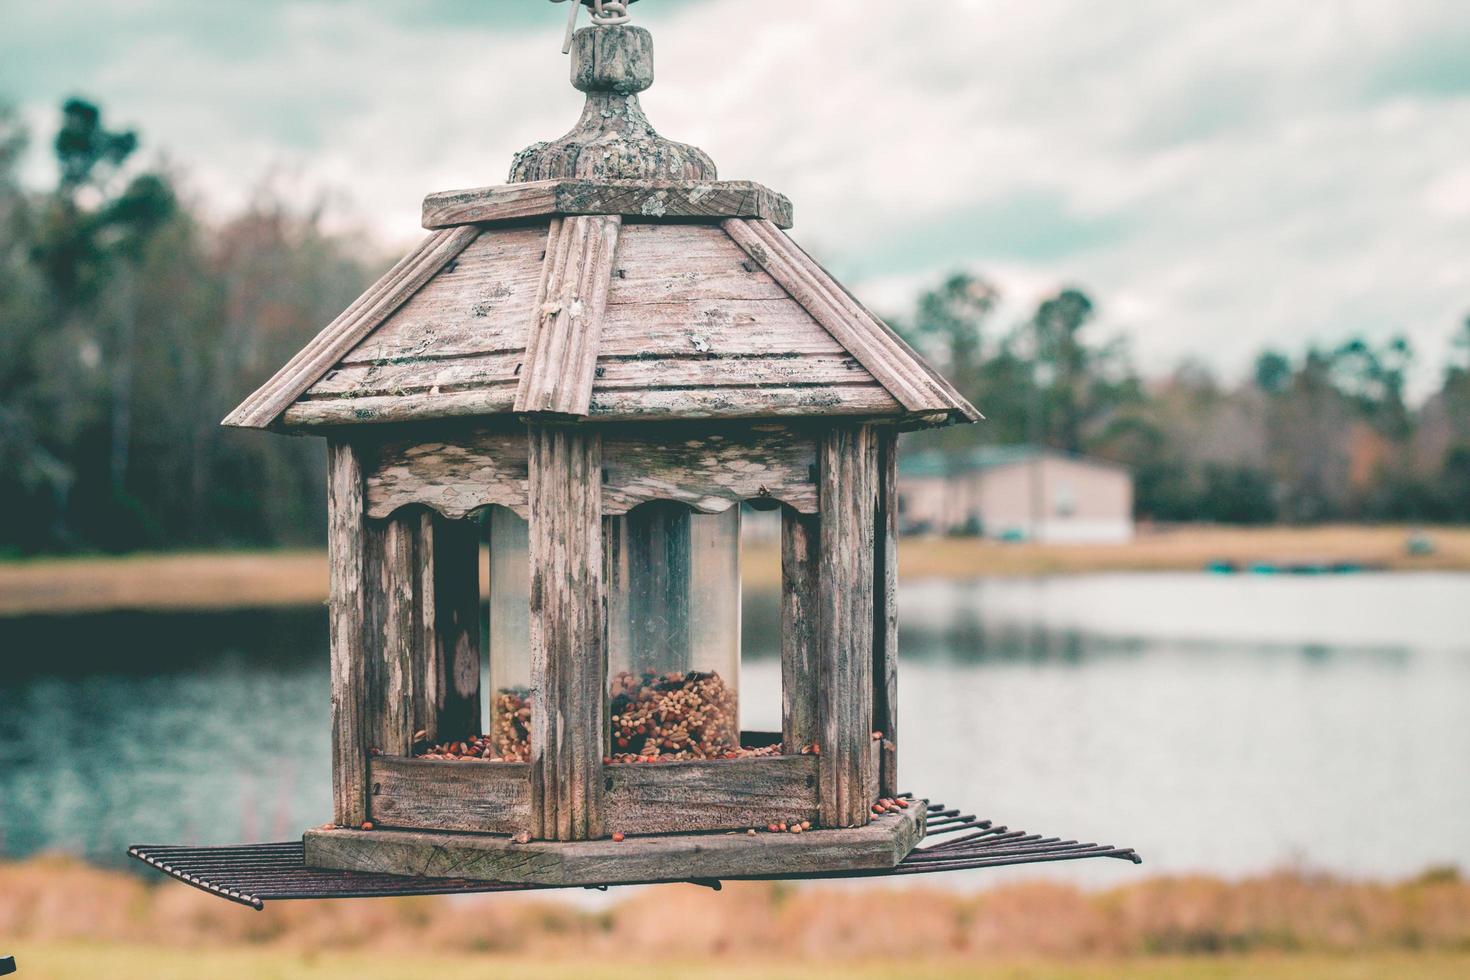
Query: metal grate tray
[252, 874]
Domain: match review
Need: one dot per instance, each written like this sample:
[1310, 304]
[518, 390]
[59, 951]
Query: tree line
[130, 324]
[1323, 435]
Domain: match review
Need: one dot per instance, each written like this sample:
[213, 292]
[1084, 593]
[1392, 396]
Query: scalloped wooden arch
[710, 472]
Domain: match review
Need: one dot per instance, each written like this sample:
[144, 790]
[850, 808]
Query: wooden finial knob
[613, 140]
[612, 59]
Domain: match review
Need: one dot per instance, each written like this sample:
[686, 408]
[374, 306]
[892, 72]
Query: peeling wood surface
[480, 468]
[348, 622]
[849, 474]
[394, 628]
[693, 327]
[424, 654]
[426, 794]
[710, 472]
[631, 199]
[566, 324]
[862, 401]
[262, 407]
[880, 844]
[800, 666]
[568, 638]
[885, 623]
[613, 139]
[899, 370]
[724, 794]
[481, 305]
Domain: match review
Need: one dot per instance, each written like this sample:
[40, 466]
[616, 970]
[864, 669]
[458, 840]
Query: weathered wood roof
[586, 316]
[614, 278]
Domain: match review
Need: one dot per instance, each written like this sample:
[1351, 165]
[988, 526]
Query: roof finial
[613, 140]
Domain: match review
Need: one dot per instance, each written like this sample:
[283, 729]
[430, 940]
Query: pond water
[1218, 724]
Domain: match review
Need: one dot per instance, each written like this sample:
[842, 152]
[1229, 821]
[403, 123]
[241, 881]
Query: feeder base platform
[882, 844]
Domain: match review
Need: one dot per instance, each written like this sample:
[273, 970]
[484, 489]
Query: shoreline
[218, 581]
[1285, 924]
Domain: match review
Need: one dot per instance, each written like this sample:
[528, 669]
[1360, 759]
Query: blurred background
[1198, 585]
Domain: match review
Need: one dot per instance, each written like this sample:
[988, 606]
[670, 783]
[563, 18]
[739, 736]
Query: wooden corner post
[348, 629]
[568, 655]
[800, 675]
[848, 487]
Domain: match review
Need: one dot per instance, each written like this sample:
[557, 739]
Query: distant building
[1015, 492]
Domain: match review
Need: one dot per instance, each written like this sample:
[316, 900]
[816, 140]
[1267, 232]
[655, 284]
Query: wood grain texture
[388, 409]
[632, 199]
[680, 328]
[568, 657]
[613, 139]
[885, 610]
[374, 306]
[456, 585]
[347, 617]
[693, 327]
[858, 401]
[479, 467]
[725, 794]
[679, 857]
[566, 328]
[709, 471]
[849, 475]
[428, 670]
[476, 797]
[800, 670]
[895, 365]
[394, 630]
[481, 305]
[655, 405]
[410, 376]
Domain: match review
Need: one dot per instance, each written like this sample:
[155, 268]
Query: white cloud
[1220, 176]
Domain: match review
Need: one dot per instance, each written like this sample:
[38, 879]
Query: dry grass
[62, 906]
[86, 961]
[294, 578]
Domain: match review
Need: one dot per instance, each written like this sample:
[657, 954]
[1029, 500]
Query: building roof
[936, 462]
[586, 316]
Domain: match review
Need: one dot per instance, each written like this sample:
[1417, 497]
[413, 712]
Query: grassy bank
[290, 578]
[85, 961]
[62, 919]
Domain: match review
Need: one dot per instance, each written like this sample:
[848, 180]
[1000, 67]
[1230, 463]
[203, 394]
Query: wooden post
[395, 631]
[885, 611]
[456, 603]
[568, 659]
[349, 659]
[799, 666]
[848, 487]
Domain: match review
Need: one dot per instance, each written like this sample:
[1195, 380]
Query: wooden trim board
[882, 843]
[341, 335]
[717, 794]
[428, 794]
[631, 199]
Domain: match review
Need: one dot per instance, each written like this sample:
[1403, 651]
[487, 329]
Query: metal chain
[605, 13]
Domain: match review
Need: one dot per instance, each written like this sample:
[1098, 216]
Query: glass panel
[760, 618]
[510, 635]
[673, 633]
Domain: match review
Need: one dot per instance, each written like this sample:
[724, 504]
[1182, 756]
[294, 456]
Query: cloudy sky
[1219, 176]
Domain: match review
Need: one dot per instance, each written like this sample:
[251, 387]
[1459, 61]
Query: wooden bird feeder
[607, 355]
